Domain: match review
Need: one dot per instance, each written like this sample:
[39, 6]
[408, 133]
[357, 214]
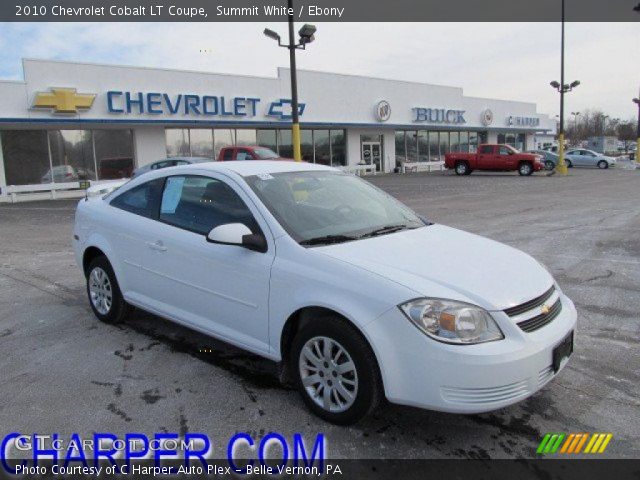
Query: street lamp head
[575, 83]
[272, 34]
[306, 33]
[636, 100]
[555, 84]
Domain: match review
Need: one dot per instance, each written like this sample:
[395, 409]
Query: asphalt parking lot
[63, 371]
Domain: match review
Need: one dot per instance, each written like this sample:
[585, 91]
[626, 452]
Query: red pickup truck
[248, 153]
[496, 158]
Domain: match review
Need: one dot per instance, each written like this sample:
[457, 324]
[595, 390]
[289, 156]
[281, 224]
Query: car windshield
[265, 153]
[322, 207]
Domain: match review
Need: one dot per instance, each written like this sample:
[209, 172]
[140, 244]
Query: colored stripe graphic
[574, 442]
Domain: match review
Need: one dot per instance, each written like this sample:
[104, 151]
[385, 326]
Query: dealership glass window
[444, 143]
[322, 144]
[177, 141]
[338, 148]
[267, 138]
[521, 141]
[201, 142]
[423, 146]
[412, 146]
[114, 153]
[223, 137]
[285, 144]
[463, 146]
[401, 148]
[454, 141]
[72, 156]
[473, 142]
[434, 147]
[26, 156]
[246, 136]
[306, 145]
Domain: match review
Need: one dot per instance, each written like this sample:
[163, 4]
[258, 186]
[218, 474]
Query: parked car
[580, 157]
[248, 153]
[352, 292]
[60, 174]
[169, 162]
[494, 157]
[549, 158]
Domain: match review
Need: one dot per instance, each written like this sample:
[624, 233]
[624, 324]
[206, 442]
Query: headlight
[450, 321]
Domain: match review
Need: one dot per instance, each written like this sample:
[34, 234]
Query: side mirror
[237, 234]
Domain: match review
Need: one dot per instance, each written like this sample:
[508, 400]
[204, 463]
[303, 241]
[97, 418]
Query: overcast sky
[514, 61]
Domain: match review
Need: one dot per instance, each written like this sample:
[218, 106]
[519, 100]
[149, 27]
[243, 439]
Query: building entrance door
[372, 154]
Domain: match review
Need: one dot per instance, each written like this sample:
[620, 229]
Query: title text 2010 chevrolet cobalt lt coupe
[350, 290]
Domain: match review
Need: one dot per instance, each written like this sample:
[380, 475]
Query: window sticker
[265, 176]
[171, 195]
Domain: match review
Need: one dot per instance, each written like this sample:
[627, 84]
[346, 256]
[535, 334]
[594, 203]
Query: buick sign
[383, 111]
[486, 117]
[438, 115]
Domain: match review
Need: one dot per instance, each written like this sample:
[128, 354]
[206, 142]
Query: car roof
[188, 159]
[257, 167]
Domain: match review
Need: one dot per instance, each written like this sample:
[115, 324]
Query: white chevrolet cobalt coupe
[353, 293]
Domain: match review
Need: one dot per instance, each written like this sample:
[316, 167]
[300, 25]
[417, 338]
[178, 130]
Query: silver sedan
[580, 157]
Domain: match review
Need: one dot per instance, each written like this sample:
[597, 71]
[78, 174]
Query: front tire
[335, 370]
[104, 293]
[549, 165]
[462, 168]
[602, 164]
[525, 169]
[568, 163]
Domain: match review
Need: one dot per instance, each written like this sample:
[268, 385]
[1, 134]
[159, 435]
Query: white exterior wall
[148, 145]
[332, 101]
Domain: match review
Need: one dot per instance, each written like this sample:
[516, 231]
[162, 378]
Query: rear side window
[142, 200]
[243, 154]
[227, 154]
[199, 204]
[504, 151]
[486, 149]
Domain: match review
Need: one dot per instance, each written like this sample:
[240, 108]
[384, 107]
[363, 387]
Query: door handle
[157, 245]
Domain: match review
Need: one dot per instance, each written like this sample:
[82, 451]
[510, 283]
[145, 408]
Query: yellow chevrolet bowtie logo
[64, 100]
[545, 309]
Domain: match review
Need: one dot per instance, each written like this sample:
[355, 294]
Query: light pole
[563, 88]
[306, 36]
[637, 102]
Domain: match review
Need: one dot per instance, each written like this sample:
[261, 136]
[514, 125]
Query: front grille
[531, 304]
[539, 321]
[474, 396]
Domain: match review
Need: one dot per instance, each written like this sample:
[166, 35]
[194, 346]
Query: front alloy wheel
[328, 374]
[103, 291]
[525, 169]
[549, 165]
[335, 369]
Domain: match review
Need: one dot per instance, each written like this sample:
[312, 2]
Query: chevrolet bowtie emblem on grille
[545, 309]
[64, 100]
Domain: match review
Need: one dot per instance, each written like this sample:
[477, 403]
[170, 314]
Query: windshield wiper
[328, 239]
[386, 229]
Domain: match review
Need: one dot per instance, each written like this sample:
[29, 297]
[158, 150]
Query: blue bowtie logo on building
[276, 109]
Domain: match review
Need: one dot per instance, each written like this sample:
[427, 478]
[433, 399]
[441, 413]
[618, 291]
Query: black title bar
[318, 11]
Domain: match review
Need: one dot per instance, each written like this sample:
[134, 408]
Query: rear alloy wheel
[525, 169]
[568, 163]
[602, 164]
[104, 293]
[335, 370]
[462, 168]
[549, 165]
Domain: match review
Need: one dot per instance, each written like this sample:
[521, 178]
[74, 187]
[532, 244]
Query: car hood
[443, 262]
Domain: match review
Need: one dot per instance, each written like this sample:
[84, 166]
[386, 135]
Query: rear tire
[462, 168]
[568, 163]
[602, 164]
[525, 169]
[335, 370]
[104, 293]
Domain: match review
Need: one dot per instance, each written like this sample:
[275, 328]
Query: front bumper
[421, 372]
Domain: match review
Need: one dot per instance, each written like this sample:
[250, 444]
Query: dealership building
[66, 123]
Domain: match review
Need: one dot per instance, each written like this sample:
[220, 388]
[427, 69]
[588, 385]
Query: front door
[372, 154]
[222, 289]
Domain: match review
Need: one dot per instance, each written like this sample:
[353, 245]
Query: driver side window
[199, 204]
[504, 151]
